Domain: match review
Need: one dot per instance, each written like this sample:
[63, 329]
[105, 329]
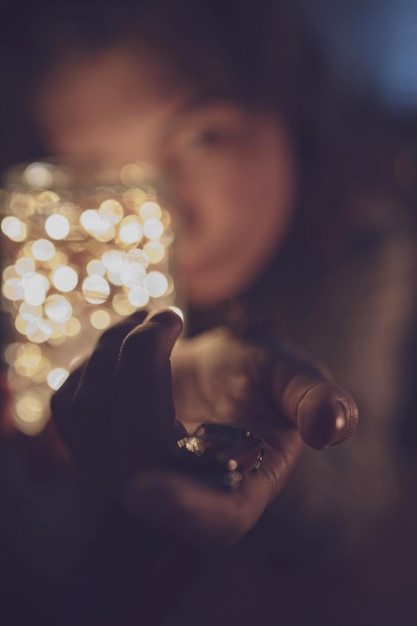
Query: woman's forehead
[112, 90]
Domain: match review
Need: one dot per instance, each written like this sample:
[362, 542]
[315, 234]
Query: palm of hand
[219, 378]
[116, 415]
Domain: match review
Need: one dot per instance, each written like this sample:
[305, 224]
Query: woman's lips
[193, 269]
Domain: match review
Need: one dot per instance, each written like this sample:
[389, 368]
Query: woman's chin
[207, 293]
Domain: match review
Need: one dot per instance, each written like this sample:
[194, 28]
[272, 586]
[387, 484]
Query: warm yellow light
[100, 319]
[155, 251]
[58, 309]
[130, 230]
[24, 266]
[150, 210]
[12, 289]
[57, 377]
[97, 225]
[9, 272]
[95, 289]
[39, 175]
[59, 258]
[39, 373]
[90, 220]
[43, 250]
[57, 226]
[35, 286]
[115, 278]
[153, 229]
[65, 278]
[156, 284]
[132, 174]
[138, 297]
[29, 312]
[121, 305]
[72, 328]
[23, 326]
[134, 198]
[46, 198]
[41, 333]
[14, 228]
[111, 211]
[132, 274]
[96, 267]
[113, 260]
[21, 204]
[28, 354]
[30, 407]
[71, 250]
[137, 256]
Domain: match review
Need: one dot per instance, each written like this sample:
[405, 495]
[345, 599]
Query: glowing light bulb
[156, 284]
[41, 333]
[130, 230]
[100, 319]
[58, 309]
[14, 228]
[35, 287]
[43, 250]
[57, 377]
[90, 220]
[138, 297]
[121, 305]
[39, 175]
[21, 204]
[72, 328]
[132, 174]
[95, 289]
[153, 229]
[111, 211]
[29, 312]
[30, 407]
[13, 290]
[155, 251]
[113, 260]
[96, 267]
[57, 226]
[150, 210]
[132, 274]
[138, 256]
[65, 278]
[24, 266]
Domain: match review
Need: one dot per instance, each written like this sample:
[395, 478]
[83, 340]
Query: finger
[143, 412]
[192, 510]
[324, 413]
[62, 399]
[202, 514]
[99, 370]
[78, 408]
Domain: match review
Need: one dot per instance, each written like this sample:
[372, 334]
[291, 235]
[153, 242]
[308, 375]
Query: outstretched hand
[116, 415]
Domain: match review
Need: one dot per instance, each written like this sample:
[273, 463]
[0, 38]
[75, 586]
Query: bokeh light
[76, 259]
[57, 226]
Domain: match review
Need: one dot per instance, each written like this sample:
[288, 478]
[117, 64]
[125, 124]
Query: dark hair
[258, 53]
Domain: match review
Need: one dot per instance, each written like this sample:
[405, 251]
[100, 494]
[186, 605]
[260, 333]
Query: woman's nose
[180, 195]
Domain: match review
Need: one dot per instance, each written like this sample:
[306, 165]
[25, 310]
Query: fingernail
[340, 423]
[167, 315]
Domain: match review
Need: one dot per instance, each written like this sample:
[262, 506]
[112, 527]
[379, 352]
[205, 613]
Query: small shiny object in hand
[220, 454]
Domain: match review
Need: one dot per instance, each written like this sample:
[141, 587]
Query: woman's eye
[211, 138]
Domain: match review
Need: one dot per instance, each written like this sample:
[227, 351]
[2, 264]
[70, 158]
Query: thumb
[143, 414]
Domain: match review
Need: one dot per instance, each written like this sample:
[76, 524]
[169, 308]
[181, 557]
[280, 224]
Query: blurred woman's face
[230, 172]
